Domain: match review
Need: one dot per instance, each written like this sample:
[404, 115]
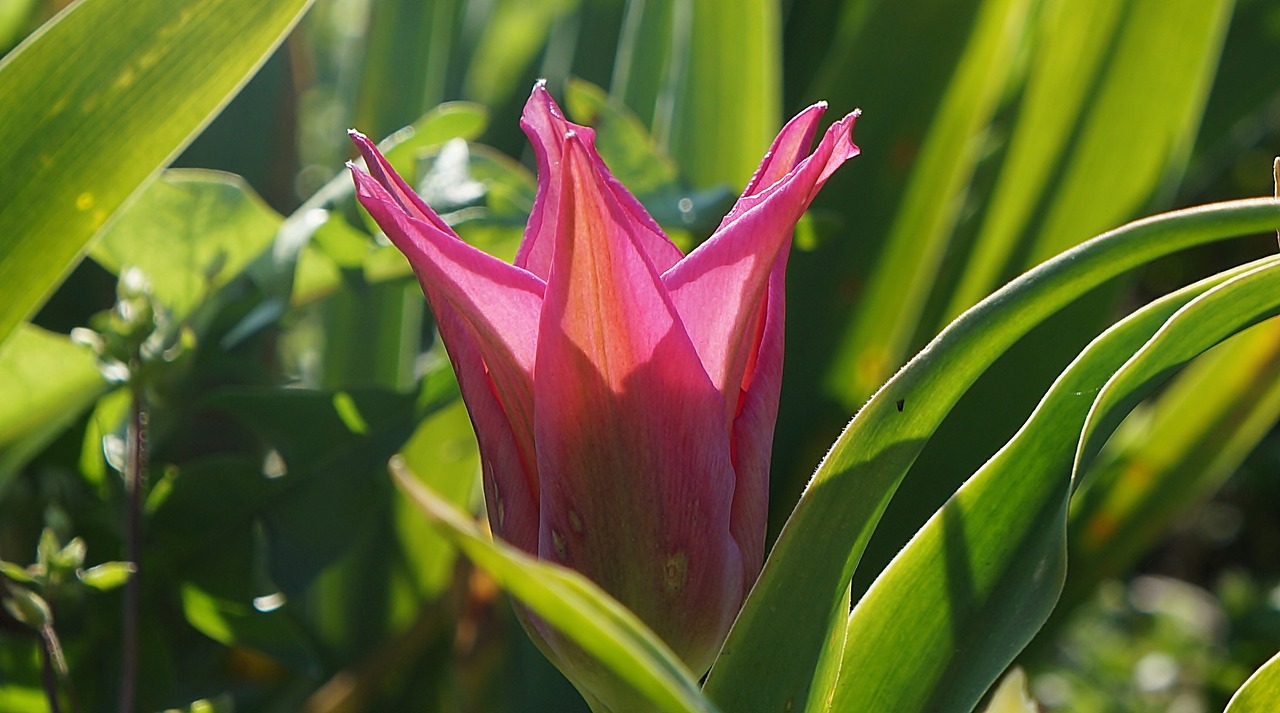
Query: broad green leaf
[46, 382]
[729, 56]
[443, 123]
[1200, 325]
[190, 232]
[571, 603]
[1260, 693]
[830, 661]
[767, 662]
[1172, 453]
[973, 586]
[907, 271]
[83, 131]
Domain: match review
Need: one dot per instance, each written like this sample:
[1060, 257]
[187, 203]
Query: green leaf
[907, 271]
[767, 662]
[979, 579]
[1260, 693]
[623, 142]
[443, 452]
[513, 33]
[27, 607]
[46, 382]
[406, 39]
[108, 575]
[728, 56]
[1164, 57]
[1123, 85]
[190, 232]
[83, 132]
[1170, 454]
[572, 604]
[234, 623]
[15, 16]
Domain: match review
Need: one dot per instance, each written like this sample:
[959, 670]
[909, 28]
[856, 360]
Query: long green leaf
[1260, 693]
[767, 662]
[1170, 455]
[979, 579]
[730, 103]
[572, 604]
[1074, 36]
[907, 272]
[1122, 83]
[94, 103]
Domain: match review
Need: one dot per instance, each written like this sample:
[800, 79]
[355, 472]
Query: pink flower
[623, 394]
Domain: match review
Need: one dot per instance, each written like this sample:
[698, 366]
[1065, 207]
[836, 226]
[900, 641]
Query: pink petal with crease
[627, 421]
[719, 288]
[544, 123]
[497, 302]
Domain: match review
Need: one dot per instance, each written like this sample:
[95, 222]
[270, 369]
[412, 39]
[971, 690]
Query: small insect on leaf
[900, 403]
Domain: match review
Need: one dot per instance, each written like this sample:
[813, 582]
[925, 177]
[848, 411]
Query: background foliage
[283, 353]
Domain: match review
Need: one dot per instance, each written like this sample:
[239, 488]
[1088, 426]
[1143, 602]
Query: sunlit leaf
[46, 382]
[768, 661]
[1260, 693]
[84, 133]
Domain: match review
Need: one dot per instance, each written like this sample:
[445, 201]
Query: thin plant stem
[135, 472]
[48, 676]
[54, 667]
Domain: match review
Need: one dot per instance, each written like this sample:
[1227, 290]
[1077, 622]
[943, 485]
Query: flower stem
[135, 471]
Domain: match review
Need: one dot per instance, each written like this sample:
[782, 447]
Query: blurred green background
[293, 354]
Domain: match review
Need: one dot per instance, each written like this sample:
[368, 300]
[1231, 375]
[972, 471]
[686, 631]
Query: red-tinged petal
[719, 289]
[753, 428]
[381, 170]
[498, 303]
[791, 145]
[545, 125]
[510, 488]
[636, 475]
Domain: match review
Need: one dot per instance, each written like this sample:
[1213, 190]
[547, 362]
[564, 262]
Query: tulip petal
[487, 311]
[730, 292]
[633, 449]
[720, 287]
[544, 123]
[791, 145]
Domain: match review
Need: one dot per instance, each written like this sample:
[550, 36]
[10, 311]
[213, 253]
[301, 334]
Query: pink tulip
[623, 394]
